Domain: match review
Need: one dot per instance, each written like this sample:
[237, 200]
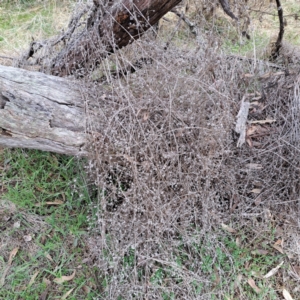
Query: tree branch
[278, 44]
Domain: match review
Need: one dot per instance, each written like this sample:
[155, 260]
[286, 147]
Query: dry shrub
[165, 161]
[168, 169]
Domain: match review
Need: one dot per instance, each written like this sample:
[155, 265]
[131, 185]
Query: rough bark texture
[41, 112]
[111, 26]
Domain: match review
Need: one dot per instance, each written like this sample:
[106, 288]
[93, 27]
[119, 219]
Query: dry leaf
[46, 281]
[296, 270]
[27, 238]
[257, 200]
[249, 142]
[44, 295]
[253, 285]
[273, 271]
[55, 202]
[17, 224]
[254, 166]
[267, 121]
[86, 289]
[47, 255]
[259, 252]
[228, 228]
[33, 279]
[286, 295]
[251, 130]
[278, 248]
[238, 281]
[64, 278]
[146, 116]
[279, 73]
[247, 75]
[67, 294]
[256, 191]
[12, 254]
[266, 75]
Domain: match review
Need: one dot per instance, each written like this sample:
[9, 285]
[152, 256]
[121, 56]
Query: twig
[186, 20]
[271, 14]
[251, 60]
[6, 57]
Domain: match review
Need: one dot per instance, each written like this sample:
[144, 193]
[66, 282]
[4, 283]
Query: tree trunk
[110, 26]
[40, 111]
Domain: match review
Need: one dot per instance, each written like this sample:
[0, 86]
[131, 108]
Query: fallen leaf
[46, 281]
[228, 228]
[86, 289]
[44, 295]
[266, 75]
[286, 295]
[27, 238]
[12, 254]
[64, 278]
[259, 252]
[247, 75]
[278, 242]
[33, 279]
[257, 200]
[296, 270]
[273, 271]
[249, 142]
[17, 224]
[251, 130]
[67, 294]
[279, 73]
[254, 166]
[238, 281]
[278, 248]
[251, 282]
[267, 121]
[256, 191]
[146, 116]
[55, 202]
[47, 255]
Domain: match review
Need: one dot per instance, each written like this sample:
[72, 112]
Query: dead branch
[226, 7]
[278, 44]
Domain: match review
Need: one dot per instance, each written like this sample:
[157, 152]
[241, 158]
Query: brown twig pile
[167, 165]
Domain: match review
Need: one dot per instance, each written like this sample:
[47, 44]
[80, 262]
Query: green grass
[32, 181]
[258, 43]
[23, 21]
[222, 262]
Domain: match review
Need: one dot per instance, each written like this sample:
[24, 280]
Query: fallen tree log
[40, 111]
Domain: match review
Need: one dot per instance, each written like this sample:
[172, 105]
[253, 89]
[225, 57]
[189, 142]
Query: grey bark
[40, 111]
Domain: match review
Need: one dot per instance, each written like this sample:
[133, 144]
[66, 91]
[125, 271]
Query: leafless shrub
[167, 165]
[165, 160]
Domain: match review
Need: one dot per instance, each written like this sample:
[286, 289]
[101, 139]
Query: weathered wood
[41, 112]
